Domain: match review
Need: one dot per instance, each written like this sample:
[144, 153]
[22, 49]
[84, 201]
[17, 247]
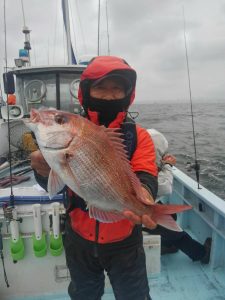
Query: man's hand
[39, 164]
[144, 219]
[169, 159]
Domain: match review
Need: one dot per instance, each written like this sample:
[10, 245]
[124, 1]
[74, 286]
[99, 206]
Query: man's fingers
[132, 217]
[148, 222]
[170, 159]
[145, 219]
[39, 164]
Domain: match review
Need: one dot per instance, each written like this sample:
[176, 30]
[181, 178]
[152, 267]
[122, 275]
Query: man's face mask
[108, 98]
[108, 109]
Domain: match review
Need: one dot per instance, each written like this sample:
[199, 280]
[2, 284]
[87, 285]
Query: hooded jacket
[141, 152]
[165, 176]
[142, 159]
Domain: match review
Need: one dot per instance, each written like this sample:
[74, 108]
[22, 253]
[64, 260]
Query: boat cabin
[51, 86]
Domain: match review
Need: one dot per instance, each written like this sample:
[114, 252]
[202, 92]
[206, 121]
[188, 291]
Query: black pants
[126, 269]
[181, 240]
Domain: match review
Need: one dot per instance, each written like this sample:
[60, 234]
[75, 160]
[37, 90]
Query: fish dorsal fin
[116, 138]
[104, 216]
[55, 183]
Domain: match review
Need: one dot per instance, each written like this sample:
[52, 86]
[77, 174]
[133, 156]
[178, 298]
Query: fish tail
[161, 214]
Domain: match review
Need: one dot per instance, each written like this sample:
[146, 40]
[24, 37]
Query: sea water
[175, 122]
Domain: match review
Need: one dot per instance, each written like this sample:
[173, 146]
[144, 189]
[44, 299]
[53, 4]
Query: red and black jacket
[139, 146]
[140, 149]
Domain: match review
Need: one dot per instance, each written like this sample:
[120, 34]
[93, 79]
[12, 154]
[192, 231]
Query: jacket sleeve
[42, 181]
[165, 181]
[143, 161]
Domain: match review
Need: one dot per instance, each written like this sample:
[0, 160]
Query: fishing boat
[31, 250]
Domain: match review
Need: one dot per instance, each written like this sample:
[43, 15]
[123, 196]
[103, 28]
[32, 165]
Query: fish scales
[95, 183]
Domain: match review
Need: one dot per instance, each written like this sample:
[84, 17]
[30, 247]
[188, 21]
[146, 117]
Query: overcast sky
[149, 34]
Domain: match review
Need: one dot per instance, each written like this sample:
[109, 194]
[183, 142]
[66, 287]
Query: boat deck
[180, 279]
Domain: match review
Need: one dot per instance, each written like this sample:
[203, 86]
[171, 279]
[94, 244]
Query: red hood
[101, 66]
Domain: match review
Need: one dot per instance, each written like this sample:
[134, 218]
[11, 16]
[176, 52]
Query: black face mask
[108, 109]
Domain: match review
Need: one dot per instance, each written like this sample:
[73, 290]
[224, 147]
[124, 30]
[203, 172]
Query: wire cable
[2, 257]
[24, 21]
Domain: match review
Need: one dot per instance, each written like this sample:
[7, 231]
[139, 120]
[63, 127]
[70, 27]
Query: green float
[56, 245]
[39, 246]
[17, 249]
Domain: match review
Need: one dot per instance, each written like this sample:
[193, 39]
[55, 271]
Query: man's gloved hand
[39, 164]
[169, 159]
[144, 219]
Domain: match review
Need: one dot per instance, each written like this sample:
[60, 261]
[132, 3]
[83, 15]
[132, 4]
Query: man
[107, 89]
[172, 241]
[165, 162]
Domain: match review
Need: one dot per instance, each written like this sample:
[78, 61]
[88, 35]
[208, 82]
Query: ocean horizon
[174, 120]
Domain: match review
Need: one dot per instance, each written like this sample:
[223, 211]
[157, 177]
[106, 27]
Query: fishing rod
[196, 165]
[107, 24]
[99, 14]
[11, 202]
[7, 209]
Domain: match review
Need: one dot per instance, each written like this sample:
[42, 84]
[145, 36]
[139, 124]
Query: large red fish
[91, 160]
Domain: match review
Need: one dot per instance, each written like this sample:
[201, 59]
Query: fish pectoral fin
[55, 183]
[168, 222]
[104, 216]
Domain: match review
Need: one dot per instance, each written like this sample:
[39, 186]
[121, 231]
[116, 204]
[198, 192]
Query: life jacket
[89, 228]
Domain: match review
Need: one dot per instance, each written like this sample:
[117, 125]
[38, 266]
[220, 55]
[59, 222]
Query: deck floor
[180, 279]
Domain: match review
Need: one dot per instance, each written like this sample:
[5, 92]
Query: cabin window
[37, 90]
[69, 84]
[55, 90]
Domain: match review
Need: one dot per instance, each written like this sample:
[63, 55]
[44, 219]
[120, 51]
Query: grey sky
[147, 33]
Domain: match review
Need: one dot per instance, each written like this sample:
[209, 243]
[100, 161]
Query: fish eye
[60, 119]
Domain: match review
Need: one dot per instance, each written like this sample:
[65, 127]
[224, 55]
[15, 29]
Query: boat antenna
[99, 13]
[26, 31]
[196, 164]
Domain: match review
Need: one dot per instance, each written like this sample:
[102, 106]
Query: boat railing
[207, 217]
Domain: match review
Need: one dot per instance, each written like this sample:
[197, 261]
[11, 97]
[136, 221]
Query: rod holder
[39, 237]
[17, 249]
[39, 246]
[16, 243]
[56, 243]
